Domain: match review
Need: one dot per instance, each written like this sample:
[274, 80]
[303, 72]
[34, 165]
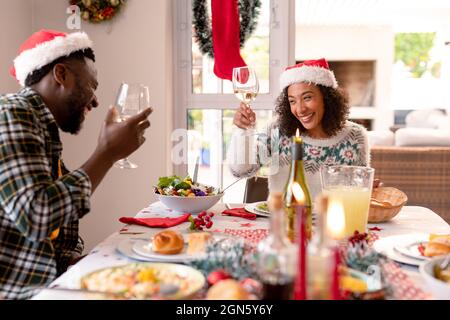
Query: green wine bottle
[297, 174]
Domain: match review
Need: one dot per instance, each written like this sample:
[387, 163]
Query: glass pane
[209, 135]
[255, 53]
[417, 81]
[204, 141]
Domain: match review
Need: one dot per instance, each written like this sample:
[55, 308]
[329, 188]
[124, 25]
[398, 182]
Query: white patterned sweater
[348, 147]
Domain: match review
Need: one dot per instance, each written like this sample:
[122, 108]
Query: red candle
[300, 280]
[335, 287]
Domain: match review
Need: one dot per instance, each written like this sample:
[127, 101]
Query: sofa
[423, 173]
[416, 159]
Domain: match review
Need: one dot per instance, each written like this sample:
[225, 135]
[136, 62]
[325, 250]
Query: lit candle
[300, 213]
[297, 138]
[336, 219]
[336, 231]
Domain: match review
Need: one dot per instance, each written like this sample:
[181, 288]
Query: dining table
[116, 249]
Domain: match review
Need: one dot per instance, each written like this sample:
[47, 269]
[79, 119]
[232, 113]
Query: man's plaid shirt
[34, 201]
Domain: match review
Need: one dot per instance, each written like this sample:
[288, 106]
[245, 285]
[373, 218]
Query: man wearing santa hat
[41, 202]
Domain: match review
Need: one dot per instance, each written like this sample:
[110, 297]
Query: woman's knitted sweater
[348, 147]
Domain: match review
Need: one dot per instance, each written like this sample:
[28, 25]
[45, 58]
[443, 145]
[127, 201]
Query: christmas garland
[98, 10]
[248, 10]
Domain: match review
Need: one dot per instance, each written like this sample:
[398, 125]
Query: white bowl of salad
[183, 195]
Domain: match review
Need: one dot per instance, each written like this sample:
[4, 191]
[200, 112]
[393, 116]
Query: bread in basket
[385, 204]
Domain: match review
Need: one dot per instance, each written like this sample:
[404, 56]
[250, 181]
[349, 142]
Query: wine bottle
[297, 174]
[276, 256]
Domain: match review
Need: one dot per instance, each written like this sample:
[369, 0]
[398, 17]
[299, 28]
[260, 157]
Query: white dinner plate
[252, 207]
[387, 246]
[411, 248]
[125, 247]
[144, 248]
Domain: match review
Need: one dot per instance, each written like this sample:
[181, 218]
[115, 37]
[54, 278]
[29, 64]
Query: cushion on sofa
[427, 118]
[422, 137]
[444, 123]
[381, 138]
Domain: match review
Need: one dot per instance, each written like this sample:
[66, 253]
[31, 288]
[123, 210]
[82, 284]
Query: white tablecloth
[409, 220]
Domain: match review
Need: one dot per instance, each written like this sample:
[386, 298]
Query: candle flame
[299, 195]
[336, 219]
[297, 133]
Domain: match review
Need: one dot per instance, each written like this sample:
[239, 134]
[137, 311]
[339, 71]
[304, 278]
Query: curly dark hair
[37, 75]
[336, 110]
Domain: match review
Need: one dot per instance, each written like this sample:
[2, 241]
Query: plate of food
[259, 208]
[145, 280]
[386, 246]
[424, 246]
[414, 247]
[436, 273]
[172, 246]
[183, 195]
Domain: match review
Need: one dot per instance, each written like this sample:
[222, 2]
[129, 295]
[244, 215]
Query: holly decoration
[98, 10]
[359, 254]
[235, 256]
[203, 220]
[248, 10]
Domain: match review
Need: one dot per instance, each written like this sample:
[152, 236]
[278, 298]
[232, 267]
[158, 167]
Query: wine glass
[246, 88]
[245, 84]
[131, 99]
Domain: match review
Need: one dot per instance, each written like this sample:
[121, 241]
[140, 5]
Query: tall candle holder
[301, 217]
[319, 255]
[335, 227]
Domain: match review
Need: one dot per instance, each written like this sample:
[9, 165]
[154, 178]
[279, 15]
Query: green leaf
[164, 182]
[183, 185]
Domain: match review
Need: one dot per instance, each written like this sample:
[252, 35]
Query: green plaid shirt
[34, 201]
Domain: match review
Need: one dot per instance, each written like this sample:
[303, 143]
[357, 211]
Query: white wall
[354, 43]
[15, 27]
[135, 47]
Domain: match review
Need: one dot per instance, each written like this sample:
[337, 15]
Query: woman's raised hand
[244, 117]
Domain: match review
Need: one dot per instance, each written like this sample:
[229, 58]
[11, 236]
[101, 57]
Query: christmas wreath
[98, 10]
[248, 10]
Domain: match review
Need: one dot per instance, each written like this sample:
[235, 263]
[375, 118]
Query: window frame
[281, 54]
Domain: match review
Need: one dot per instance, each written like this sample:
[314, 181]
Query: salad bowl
[185, 196]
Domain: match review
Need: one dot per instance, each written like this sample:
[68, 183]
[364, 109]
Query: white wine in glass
[246, 88]
[131, 99]
[245, 84]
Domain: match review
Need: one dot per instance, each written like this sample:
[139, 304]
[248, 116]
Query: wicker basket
[386, 203]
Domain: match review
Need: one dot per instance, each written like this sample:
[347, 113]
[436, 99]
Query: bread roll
[168, 242]
[197, 242]
[438, 245]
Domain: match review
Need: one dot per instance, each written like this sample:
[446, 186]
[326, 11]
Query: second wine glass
[131, 99]
[245, 84]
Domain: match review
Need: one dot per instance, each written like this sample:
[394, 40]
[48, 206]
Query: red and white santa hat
[44, 47]
[313, 71]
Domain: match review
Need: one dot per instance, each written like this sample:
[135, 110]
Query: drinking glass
[131, 99]
[245, 84]
[352, 185]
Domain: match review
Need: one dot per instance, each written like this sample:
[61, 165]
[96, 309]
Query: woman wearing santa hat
[312, 102]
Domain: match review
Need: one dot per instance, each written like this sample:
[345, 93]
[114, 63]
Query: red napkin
[156, 222]
[239, 212]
